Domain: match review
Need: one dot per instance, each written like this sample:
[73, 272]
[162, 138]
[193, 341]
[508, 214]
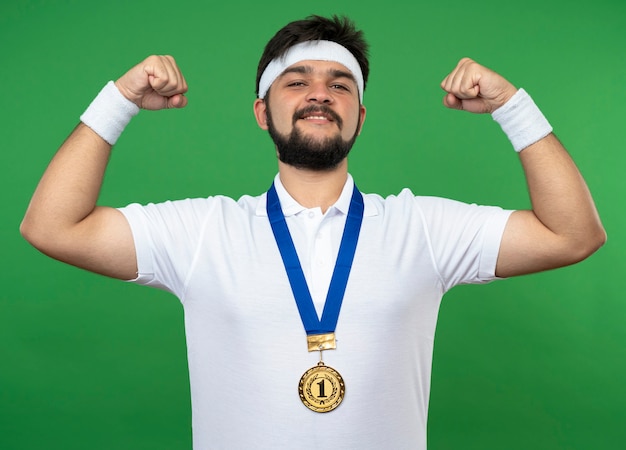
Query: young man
[312, 298]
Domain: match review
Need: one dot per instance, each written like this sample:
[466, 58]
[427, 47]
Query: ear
[361, 118]
[260, 113]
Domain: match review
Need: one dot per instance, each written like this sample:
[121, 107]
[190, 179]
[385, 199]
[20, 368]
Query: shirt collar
[291, 207]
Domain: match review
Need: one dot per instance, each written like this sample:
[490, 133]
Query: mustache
[314, 109]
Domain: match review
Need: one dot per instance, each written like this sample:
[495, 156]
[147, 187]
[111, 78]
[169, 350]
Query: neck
[314, 188]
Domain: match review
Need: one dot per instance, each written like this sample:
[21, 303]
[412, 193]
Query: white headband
[315, 51]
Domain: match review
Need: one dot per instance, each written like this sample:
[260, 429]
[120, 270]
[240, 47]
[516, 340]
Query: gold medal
[321, 388]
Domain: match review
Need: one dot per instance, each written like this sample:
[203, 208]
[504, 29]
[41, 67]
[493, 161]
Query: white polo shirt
[245, 339]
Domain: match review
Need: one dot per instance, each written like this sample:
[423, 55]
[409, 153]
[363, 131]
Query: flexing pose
[310, 310]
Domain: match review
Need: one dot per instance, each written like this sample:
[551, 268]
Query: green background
[535, 362]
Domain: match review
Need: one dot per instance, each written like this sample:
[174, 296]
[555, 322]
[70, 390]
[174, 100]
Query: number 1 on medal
[321, 384]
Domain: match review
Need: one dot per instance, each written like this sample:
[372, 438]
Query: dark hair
[337, 29]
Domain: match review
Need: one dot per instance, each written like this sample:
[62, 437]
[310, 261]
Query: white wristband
[522, 121]
[109, 113]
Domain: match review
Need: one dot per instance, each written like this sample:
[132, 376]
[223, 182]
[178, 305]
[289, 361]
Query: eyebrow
[334, 73]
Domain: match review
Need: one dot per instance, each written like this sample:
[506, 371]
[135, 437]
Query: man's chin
[311, 166]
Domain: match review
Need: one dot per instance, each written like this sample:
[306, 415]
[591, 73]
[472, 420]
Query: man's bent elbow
[44, 235]
[592, 242]
[26, 230]
[33, 234]
[598, 240]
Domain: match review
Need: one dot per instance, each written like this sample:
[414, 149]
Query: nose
[319, 93]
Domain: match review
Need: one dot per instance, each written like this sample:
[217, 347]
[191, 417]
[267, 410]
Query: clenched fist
[155, 83]
[474, 88]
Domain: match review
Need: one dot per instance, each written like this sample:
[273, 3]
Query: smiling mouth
[317, 113]
[317, 118]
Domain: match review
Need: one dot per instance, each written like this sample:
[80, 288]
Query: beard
[305, 152]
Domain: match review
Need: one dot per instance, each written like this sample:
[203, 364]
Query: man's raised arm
[563, 226]
[62, 219]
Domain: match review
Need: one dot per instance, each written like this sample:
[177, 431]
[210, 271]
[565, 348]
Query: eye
[340, 87]
[296, 83]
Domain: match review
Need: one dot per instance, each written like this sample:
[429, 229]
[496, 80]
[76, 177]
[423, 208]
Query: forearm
[68, 191]
[562, 227]
[559, 195]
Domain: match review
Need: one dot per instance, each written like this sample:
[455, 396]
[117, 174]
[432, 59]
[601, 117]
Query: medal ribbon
[339, 280]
